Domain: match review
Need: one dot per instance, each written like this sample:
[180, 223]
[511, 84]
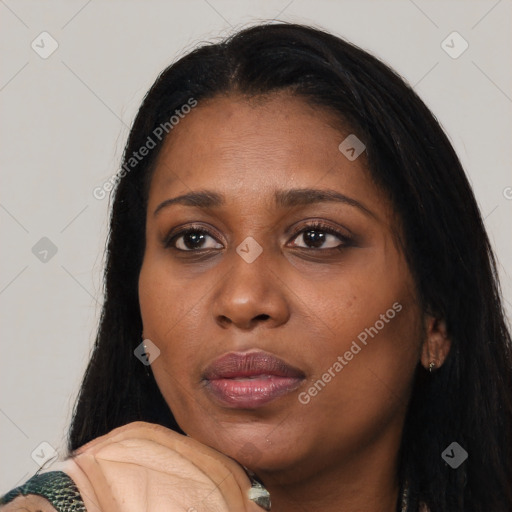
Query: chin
[259, 455]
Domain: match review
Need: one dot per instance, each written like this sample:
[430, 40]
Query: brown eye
[193, 240]
[319, 236]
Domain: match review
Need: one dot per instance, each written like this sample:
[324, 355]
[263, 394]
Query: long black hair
[468, 400]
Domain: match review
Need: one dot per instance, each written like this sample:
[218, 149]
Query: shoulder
[46, 492]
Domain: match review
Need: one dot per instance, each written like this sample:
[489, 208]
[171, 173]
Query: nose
[250, 294]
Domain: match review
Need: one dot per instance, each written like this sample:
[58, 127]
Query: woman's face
[285, 315]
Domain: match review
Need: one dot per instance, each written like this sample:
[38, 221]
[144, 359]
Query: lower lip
[251, 393]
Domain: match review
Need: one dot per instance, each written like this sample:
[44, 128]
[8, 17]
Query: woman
[298, 278]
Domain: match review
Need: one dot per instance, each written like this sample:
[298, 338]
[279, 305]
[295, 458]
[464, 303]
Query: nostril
[224, 319]
[262, 317]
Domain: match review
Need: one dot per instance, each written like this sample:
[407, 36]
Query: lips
[250, 380]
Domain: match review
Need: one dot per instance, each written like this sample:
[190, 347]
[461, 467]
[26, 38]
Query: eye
[320, 236]
[192, 239]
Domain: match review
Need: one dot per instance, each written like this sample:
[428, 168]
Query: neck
[366, 482]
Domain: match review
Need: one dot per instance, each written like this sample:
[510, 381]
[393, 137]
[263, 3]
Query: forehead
[250, 146]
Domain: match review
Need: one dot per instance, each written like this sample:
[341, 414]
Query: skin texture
[30, 503]
[303, 304]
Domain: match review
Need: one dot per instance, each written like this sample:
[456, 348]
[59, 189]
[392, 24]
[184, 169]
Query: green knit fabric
[57, 487]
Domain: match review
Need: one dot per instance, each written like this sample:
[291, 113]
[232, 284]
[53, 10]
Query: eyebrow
[283, 198]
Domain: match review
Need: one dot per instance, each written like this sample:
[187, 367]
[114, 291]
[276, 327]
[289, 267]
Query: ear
[436, 344]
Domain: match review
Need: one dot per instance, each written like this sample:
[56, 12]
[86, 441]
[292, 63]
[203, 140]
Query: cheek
[167, 301]
[167, 310]
[366, 349]
[363, 377]
[170, 317]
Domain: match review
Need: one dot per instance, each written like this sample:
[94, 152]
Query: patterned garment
[55, 486]
[62, 493]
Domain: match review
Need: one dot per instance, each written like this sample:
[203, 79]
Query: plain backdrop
[65, 118]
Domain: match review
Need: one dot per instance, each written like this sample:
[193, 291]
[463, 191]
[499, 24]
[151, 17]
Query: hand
[142, 467]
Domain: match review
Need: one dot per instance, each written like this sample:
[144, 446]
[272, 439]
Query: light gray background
[64, 121]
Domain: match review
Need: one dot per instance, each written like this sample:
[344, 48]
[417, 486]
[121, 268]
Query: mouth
[250, 380]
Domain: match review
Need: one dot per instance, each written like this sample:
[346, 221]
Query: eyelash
[313, 226]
